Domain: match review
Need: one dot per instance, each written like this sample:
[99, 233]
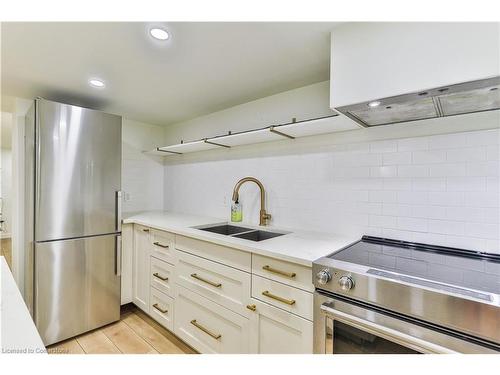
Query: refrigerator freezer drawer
[77, 287]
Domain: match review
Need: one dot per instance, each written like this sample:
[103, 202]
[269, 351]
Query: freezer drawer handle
[157, 307]
[278, 298]
[216, 336]
[195, 276]
[160, 245]
[268, 268]
[157, 275]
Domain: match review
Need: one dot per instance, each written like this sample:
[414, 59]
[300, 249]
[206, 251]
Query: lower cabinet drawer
[285, 297]
[227, 286]
[162, 308]
[209, 327]
[162, 245]
[162, 276]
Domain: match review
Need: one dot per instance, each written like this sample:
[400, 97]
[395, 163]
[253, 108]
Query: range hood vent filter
[469, 97]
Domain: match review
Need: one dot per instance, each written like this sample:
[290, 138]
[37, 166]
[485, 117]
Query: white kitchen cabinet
[209, 327]
[374, 60]
[274, 331]
[141, 266]
[162, 308]
[224, 285]
[127, 263]
[293, 300]
[162, 245]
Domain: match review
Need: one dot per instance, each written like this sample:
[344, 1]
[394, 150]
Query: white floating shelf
[247, 138]
[184, 148]
[318, 126]
[304, 128]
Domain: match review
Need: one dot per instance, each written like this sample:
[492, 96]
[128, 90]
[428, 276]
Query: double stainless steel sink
[240, 232]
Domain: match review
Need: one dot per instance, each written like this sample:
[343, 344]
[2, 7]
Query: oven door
[342, 327]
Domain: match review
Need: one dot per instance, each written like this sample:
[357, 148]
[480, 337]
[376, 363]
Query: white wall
[302, 103]
[433, 181]
[5, 192]
[142, 175]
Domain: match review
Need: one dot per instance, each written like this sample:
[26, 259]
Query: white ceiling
[204, 67]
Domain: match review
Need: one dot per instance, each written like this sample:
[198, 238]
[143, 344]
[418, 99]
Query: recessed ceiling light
[96, 83]
[159, 34]
[376, 103]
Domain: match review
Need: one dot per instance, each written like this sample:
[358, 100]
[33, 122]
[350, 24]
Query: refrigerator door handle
[118, 256]
[118, 197]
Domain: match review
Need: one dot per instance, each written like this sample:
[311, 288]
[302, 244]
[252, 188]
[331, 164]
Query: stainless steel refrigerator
[73, 219]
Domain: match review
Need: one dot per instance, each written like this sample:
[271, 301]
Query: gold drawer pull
[278, 298]
[157, 307]
[160, 245]
[279, 272]
[146, 230]
[207, 331]
[252, 307]
[195, 276]
[164, 278]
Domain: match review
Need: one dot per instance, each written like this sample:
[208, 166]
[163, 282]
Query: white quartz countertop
[301, 247]
[18, 333]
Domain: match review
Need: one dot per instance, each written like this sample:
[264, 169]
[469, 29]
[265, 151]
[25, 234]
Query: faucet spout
[264, 216]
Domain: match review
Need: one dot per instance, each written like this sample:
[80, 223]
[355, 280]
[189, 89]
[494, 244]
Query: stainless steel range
[387, 296]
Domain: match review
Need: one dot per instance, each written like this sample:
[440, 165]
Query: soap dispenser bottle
[236, 211]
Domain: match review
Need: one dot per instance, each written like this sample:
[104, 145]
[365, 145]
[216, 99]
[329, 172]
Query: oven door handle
[387, 333]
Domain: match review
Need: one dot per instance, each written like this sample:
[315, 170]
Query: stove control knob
[346, 283]
[322, 277]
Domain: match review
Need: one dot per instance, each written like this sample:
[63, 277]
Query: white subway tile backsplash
[448, 141]
[397, 158]
[413, 197]
[468, 154]
[383, 221]
[429, 156]
[413, 171]
[482, 230]
[466, 183]
[487, 168]
[413, 224]
[448, 170]
[429, 184]
[488, 199]
[441, 189]
[484, 138]
[384, 171]
[447, 198]
[447, 227]
[396, 184]
[413, 144]
[384, 146]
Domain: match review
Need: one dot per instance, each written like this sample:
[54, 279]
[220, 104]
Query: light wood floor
[6, 250]
[134, 333]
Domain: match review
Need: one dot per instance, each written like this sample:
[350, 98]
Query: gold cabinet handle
[207, 331]
[146, 230]
[195, 276]
[160, 245]
[291, 275]
[278, 298]
[252, 307]
[157, 307]
[157, 275]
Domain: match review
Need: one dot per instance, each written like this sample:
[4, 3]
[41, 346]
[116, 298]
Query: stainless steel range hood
[468, 97]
